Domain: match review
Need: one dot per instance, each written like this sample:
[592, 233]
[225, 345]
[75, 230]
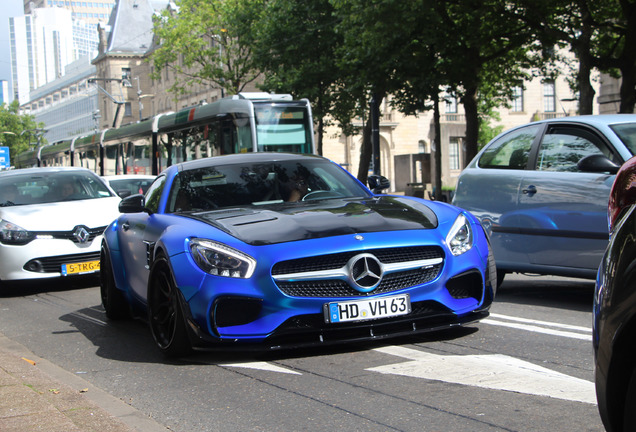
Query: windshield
[46, 187]
[130, 186]
[627, 133]
[283, 128]
[261, 184]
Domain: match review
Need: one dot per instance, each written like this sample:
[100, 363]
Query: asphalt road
[528, 367]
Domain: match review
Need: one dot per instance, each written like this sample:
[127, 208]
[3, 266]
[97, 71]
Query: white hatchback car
[52, 221]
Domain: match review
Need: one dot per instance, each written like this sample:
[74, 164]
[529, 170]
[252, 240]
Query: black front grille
[69, 235]
[54, 264]
[334, 261]
[340, 288]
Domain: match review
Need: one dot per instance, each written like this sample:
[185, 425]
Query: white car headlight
[13, 234]
[460, 236]
[221, 260]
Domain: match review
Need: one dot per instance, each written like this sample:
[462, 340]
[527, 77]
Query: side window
[153, 194]
[563, 147]
[511, 150]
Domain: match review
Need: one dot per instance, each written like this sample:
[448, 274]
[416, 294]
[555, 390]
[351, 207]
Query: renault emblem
[81, 234]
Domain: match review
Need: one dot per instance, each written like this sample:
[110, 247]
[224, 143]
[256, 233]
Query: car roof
[596, 120]
[128, 176]
[245, 158]
[43, 170]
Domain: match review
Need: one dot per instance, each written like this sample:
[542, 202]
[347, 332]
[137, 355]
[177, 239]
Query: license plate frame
[84, 267]
[367, 309]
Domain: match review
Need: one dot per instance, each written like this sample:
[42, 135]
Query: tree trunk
[365, 152]
[472, 124]
[437, 181]
[628, 61]
[583, 47]
[321, 127]
[319, 134]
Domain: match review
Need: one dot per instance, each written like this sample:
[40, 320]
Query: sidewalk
[36, 395]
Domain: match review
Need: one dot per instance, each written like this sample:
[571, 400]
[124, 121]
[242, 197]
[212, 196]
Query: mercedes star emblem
[365, 272]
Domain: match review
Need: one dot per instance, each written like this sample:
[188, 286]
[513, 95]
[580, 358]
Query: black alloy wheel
[166, 319]
[112, 298]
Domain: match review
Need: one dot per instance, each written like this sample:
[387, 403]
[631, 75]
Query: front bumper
[45, 257]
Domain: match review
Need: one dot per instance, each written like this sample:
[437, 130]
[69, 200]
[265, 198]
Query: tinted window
[45, 187]
[153, 194]
[627, 134]
[563, 147]
[130, 186]
[260, 184]
[511, 150]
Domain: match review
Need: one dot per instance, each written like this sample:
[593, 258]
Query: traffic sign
[5, 161]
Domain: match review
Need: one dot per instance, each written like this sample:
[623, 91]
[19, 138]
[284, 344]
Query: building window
[451, 105]
[517, 99]
[453, 153]
[421, 146]
[127, 109]
[125, 73]
[549, 96]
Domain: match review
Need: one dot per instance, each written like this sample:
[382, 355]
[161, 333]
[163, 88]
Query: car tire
[165, 315]
[113, 299]
[500, 277]
[629, 413]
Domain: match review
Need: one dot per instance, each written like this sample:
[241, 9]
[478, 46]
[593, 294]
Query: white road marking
[491, 371]
[537, 326]
[545, 323]
[262, 366]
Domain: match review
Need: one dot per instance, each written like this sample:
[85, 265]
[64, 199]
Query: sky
[9, 8]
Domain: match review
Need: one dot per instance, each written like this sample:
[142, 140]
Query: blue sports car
[279, 250]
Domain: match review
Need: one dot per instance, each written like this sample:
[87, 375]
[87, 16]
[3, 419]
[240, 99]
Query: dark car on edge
[615, 309]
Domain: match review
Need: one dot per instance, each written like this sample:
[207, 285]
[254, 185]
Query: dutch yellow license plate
[80, 268]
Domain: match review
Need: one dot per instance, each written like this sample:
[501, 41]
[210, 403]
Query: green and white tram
[247, 122]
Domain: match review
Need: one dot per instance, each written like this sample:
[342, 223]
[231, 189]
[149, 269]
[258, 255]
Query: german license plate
[367, 309]
[80, 268]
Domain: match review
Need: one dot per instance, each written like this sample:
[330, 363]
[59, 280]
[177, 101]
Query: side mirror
[378, 183]
[133, 204]
[597, 164]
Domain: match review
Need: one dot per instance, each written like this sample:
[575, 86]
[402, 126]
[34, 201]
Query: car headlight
[12, 234]
[221, 260]
[460, 236]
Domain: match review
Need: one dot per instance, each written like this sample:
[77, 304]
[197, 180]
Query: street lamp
[141, 96]
[124, 83]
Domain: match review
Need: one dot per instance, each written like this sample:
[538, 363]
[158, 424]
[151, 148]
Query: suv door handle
[530, 190]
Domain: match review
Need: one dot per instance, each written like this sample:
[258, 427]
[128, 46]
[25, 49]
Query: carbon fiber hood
[280, 223]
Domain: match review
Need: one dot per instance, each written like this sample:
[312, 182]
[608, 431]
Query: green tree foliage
[341, 53]
[206, 42]
[15, 129]
[613, 45]
[475, 48]
[294, 46]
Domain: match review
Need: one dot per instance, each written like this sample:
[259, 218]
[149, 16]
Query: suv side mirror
[378, 183]
[597, 163]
